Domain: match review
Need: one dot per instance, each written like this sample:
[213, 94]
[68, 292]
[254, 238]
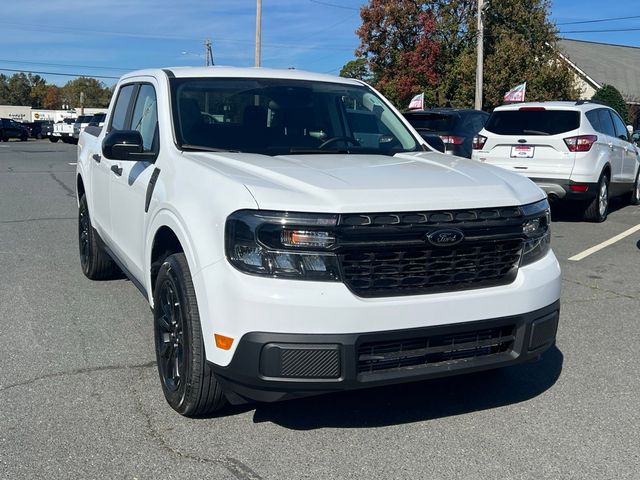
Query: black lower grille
[435, 350]
[407, 271]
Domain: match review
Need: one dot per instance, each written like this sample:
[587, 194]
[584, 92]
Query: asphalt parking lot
[80, 396]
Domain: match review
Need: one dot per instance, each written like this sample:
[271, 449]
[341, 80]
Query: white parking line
[73, 163]
[600, 246]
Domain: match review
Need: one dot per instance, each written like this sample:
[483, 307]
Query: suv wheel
[598, 208]
[95, 262]
[53, 139]
[634, 195]
[187, 380]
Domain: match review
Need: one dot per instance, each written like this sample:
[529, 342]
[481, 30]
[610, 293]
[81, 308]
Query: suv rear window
[533, 122]
[435, 122]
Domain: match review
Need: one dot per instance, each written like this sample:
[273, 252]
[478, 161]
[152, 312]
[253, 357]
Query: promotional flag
[516, 94]
[417, 102]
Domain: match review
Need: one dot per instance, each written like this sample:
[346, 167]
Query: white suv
[579, 151]
[294, 235]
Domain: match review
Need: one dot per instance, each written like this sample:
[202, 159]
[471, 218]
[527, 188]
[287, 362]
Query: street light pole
[258, 32]
[480, 57]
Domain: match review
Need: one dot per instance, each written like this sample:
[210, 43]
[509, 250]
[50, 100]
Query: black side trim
[150, 188]
[124, 269]
[169, 73]
[93, 130]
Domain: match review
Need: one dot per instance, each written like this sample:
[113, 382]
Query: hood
[341, 183]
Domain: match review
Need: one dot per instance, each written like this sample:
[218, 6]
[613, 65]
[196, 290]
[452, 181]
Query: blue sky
[110, 37]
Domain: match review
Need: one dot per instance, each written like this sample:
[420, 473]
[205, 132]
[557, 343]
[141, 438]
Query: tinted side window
[119, 116]
[145, 116]
[621, 129]
[606, 124]
[594, 120]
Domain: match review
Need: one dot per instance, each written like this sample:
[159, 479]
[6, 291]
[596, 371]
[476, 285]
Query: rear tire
[53, 139]
[634, 195]
[188, 383]
[598, 208]
[95, 262]
[24, 137]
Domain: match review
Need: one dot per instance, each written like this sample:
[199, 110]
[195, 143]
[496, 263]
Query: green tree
[19, 90]
[4, 89]
[610, 95]
[356, 69]
[520, 45]
[38, 90]
[96, 94]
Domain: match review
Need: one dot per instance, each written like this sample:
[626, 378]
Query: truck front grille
[392, 271]
[435, 350]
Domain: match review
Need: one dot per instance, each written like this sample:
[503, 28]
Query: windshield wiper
[311, 151]
[201, 148]
[535, 132]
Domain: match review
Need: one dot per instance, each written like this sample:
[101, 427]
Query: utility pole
[208, 53]
[258, 32]
[81, 103]
[480, 59]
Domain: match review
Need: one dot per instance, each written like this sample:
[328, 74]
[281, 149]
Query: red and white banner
[417, 102]
[516, 94]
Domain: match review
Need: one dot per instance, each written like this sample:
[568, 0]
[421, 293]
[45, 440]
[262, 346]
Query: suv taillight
[581, 143]
[478, 142]
[452, 139]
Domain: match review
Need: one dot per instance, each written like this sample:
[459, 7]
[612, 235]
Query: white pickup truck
[63, 130]
[294, 235]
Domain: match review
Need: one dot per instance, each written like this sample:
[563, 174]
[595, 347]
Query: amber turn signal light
[222, 342]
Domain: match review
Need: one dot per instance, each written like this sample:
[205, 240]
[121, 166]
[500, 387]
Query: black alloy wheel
[170, 336]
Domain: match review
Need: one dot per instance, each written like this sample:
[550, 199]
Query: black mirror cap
[122, 145]
[434, 141]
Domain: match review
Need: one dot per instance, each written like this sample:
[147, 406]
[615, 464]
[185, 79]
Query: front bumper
[276, 366]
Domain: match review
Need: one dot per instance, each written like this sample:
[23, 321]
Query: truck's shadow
[416, 402]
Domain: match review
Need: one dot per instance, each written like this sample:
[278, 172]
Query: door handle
[116, 169]
[611, 146]
[97, 157]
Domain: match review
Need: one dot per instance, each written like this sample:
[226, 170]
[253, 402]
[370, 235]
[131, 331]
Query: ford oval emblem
[445, 237]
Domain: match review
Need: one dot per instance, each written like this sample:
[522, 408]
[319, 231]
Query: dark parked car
[11, 129]
[98, 120]
[36, 128]
[456, 127]
[46, 130]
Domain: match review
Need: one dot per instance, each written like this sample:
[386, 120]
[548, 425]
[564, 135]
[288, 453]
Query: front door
[129, 183]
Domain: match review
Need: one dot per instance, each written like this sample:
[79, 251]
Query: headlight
[285, 245]
[537, 231]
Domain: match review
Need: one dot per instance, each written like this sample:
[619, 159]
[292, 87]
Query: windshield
[533, 122]
[278, 116]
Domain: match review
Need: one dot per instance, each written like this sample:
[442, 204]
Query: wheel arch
[167, 236]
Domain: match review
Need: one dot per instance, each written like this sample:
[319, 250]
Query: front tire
[53, 139]
[95, 262]
[187, 380]
[598, 208]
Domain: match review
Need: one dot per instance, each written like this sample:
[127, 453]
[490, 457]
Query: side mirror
[122, 145]
[434, 141]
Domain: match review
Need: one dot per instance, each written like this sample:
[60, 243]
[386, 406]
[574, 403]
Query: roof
[580, 105]
[240, 72]
[605, 63]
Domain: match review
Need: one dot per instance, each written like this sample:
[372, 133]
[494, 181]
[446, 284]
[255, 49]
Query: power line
[603, 31]
[21, 62]
[599, 20]
[55, 73]
[327, 4]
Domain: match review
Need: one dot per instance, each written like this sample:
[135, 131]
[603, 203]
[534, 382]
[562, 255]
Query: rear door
[530, 140]
[101, 167]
